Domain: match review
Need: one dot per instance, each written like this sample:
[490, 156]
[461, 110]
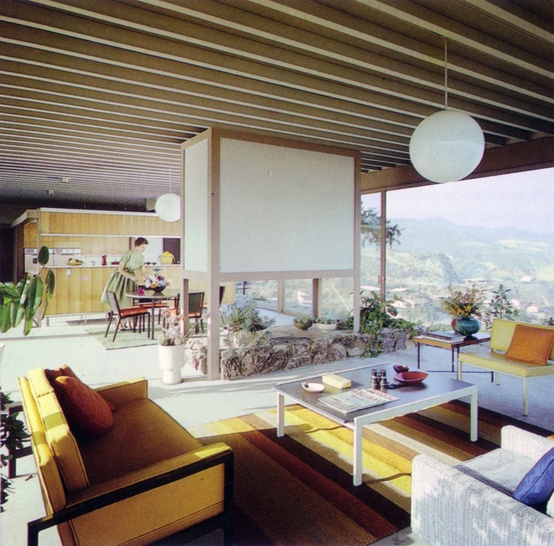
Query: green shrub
[374, 316]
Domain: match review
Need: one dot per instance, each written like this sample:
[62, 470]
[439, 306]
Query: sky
[523, 200]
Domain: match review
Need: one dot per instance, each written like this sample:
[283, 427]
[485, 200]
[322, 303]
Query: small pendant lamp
[168, 205]
[448, 145]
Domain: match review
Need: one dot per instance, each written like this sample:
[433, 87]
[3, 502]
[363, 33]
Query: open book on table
[357, 399]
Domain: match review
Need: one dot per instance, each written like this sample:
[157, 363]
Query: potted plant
[171, 348]
[303, 322]
[12, 436]
[28, 299]
[463, 304]
[325, 324]
[245, 326]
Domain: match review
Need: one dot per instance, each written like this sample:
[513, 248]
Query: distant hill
[435, 253]
[414, 232]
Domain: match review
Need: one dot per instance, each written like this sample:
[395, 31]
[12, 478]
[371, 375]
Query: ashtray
[410, 377]
[313, 387]
[399, 368]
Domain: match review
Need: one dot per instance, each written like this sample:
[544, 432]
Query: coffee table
[453, 346]
[435, 390]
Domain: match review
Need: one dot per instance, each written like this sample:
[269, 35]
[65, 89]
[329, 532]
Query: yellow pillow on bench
[531, 344]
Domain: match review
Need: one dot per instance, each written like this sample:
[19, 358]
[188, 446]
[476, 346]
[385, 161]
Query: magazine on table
[453, 337]
[357, 399]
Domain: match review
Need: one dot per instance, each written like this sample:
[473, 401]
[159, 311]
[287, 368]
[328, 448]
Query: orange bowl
[411, 377]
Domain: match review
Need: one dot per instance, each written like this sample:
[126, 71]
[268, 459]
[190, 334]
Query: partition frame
[213, 274]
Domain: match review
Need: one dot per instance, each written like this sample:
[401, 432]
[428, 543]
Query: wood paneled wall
[107, 224]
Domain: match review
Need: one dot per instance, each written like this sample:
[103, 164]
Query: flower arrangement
[463, 303]
[170, 333]
[155, 282]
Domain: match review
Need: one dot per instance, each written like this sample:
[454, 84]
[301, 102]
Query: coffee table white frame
[359, 419]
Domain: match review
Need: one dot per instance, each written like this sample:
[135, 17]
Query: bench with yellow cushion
[144, 479]
[517, 349]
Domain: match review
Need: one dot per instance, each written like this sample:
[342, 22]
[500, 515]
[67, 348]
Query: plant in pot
[27, 300]
[245, 326]
[24, 302]
[303, 322]
[325, 324]
[171, 348]
[464, 304]
[12, 435]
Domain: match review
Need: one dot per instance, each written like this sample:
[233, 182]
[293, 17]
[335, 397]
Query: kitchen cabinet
[95, 234]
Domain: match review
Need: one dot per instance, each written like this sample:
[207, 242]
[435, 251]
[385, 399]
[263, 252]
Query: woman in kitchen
[129, 272]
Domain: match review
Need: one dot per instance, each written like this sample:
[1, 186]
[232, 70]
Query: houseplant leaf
[43, 256]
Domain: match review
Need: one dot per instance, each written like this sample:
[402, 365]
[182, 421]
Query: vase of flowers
[464, 306]
[157, 283]
[171, 349]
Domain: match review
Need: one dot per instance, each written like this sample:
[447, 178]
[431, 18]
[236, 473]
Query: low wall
[289, 348]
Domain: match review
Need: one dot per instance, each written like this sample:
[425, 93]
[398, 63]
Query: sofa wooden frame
[223, 520]
[219, 522]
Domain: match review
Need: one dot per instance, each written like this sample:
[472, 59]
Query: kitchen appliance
[31, 260]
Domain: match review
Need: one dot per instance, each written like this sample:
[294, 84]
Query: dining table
[153, 297]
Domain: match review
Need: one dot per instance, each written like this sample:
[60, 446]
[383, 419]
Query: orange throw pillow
[85, 410]
[64, 369]
[531, 345]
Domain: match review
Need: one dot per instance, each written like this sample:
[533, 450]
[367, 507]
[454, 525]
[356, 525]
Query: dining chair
[160, 305]
[136, 313]
[196, 309]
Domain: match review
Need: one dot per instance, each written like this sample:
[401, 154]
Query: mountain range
[434, 253]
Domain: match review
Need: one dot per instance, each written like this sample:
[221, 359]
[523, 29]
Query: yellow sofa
[491, 357]
[144, 480]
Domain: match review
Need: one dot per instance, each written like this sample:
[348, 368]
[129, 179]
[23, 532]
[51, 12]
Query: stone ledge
[290, 348]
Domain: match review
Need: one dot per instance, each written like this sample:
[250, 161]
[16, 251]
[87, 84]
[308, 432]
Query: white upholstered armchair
[472, 504]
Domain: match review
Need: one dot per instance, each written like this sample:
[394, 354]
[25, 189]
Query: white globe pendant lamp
[448, 145]
[168, 205]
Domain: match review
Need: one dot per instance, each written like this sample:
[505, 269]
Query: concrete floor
[196, 400]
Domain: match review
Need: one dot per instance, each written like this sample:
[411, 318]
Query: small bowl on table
[411, 378]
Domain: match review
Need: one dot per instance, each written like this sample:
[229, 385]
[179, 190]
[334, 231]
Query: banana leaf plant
[22, 301]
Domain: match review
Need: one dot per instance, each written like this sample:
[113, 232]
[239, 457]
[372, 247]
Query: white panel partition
[196, 207]
[257, 208]
[285, 209]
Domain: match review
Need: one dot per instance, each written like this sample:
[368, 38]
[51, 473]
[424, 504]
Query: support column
[317, 289]
[383, 268]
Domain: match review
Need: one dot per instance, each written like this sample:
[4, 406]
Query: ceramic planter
[466, 326]
[325, 327]
[172, 359]
[303, 325]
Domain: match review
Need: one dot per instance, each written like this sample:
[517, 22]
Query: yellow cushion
[59, 437]
[143, 434]
[85, 410]
[531, 345]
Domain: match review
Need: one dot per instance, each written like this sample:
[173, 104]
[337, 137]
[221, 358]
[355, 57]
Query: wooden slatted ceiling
[104, 92]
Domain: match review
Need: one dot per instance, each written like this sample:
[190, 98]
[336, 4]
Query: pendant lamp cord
[445, 74]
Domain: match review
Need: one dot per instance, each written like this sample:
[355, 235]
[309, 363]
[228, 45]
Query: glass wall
[484, 232]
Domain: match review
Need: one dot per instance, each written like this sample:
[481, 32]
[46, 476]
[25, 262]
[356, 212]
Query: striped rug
[298, 489]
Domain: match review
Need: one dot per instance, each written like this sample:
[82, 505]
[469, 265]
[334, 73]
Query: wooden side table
[453, 346]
